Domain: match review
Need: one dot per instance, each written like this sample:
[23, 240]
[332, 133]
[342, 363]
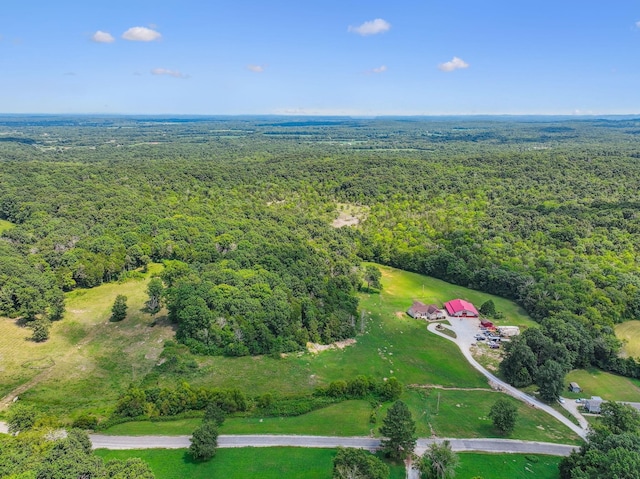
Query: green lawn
[606, 385]
[629, 332]
[240, 463]
[349, 418]
[507, 466]
[464, 414]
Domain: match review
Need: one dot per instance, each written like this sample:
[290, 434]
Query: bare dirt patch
[349, 215]
[315, 348]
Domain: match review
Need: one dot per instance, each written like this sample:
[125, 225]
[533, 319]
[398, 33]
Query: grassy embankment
[267, 463]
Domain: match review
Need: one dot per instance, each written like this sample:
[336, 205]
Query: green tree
[119, 308]
[488, 308]
[40, 329]
[391, 389]
[155, 290]
[214, 414]
[21, 417]
[550, 380]
[358, 464]
[398, 428]
[504, 415]
[619, 418]
[372, 276]
[438, 462]
[204, 442]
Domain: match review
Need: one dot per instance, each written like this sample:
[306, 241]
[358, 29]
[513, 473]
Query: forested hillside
[544, 211]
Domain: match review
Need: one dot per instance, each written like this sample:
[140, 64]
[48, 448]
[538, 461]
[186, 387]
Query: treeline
[156, 402]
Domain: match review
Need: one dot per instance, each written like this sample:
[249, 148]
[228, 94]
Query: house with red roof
[461, 308]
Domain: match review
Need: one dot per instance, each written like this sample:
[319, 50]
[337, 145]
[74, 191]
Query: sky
[309, 57]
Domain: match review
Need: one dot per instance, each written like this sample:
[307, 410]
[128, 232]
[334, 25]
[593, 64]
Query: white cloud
[256, 68]
[380, 69]
[171, 73]
[372, 27]
[638, 24]
[102, 37]
[141, 34]
[455, 64]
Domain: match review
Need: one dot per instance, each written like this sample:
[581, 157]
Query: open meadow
[241, 463]
[303, 463]
[629, 333]
[88, 360]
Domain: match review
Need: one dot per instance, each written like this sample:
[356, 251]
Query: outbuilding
[593, 405]
[461, 308]
[574, 388]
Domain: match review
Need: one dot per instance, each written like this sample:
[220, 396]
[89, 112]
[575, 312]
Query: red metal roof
[458, 305]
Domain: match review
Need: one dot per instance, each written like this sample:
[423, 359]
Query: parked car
[494, 345]
[561, 400]
[579, 400]
[480, 337]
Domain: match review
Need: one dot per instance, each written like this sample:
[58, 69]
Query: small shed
[593, 405]
[574, 388]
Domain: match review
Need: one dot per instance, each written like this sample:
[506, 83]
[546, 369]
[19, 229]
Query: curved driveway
[181, 442]
[465, 330]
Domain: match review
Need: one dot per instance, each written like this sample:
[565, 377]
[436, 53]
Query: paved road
[180, 442]
[463, 340]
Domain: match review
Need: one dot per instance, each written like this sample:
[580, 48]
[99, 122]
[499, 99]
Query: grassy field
[350, 418]
[267, 463]
[465, 414]
[629, 332]
[507, 466]
[88, 360]
[606, 385]
[241, 463]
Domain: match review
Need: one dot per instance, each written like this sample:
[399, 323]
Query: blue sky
[401, 57]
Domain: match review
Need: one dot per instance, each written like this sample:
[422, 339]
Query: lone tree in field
[438, 462]
[372, 276]
[504, 414]
[154, 290]
[358, 464]
[119, 308]
[399, 428]
[40, 330]
[204, 441]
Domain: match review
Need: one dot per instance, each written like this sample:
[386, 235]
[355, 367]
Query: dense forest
[544, 211]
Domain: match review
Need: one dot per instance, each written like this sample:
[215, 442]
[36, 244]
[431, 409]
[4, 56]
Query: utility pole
[438, 404]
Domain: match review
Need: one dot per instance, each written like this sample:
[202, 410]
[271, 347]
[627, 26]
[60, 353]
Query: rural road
[180, 442]
[463, 340]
